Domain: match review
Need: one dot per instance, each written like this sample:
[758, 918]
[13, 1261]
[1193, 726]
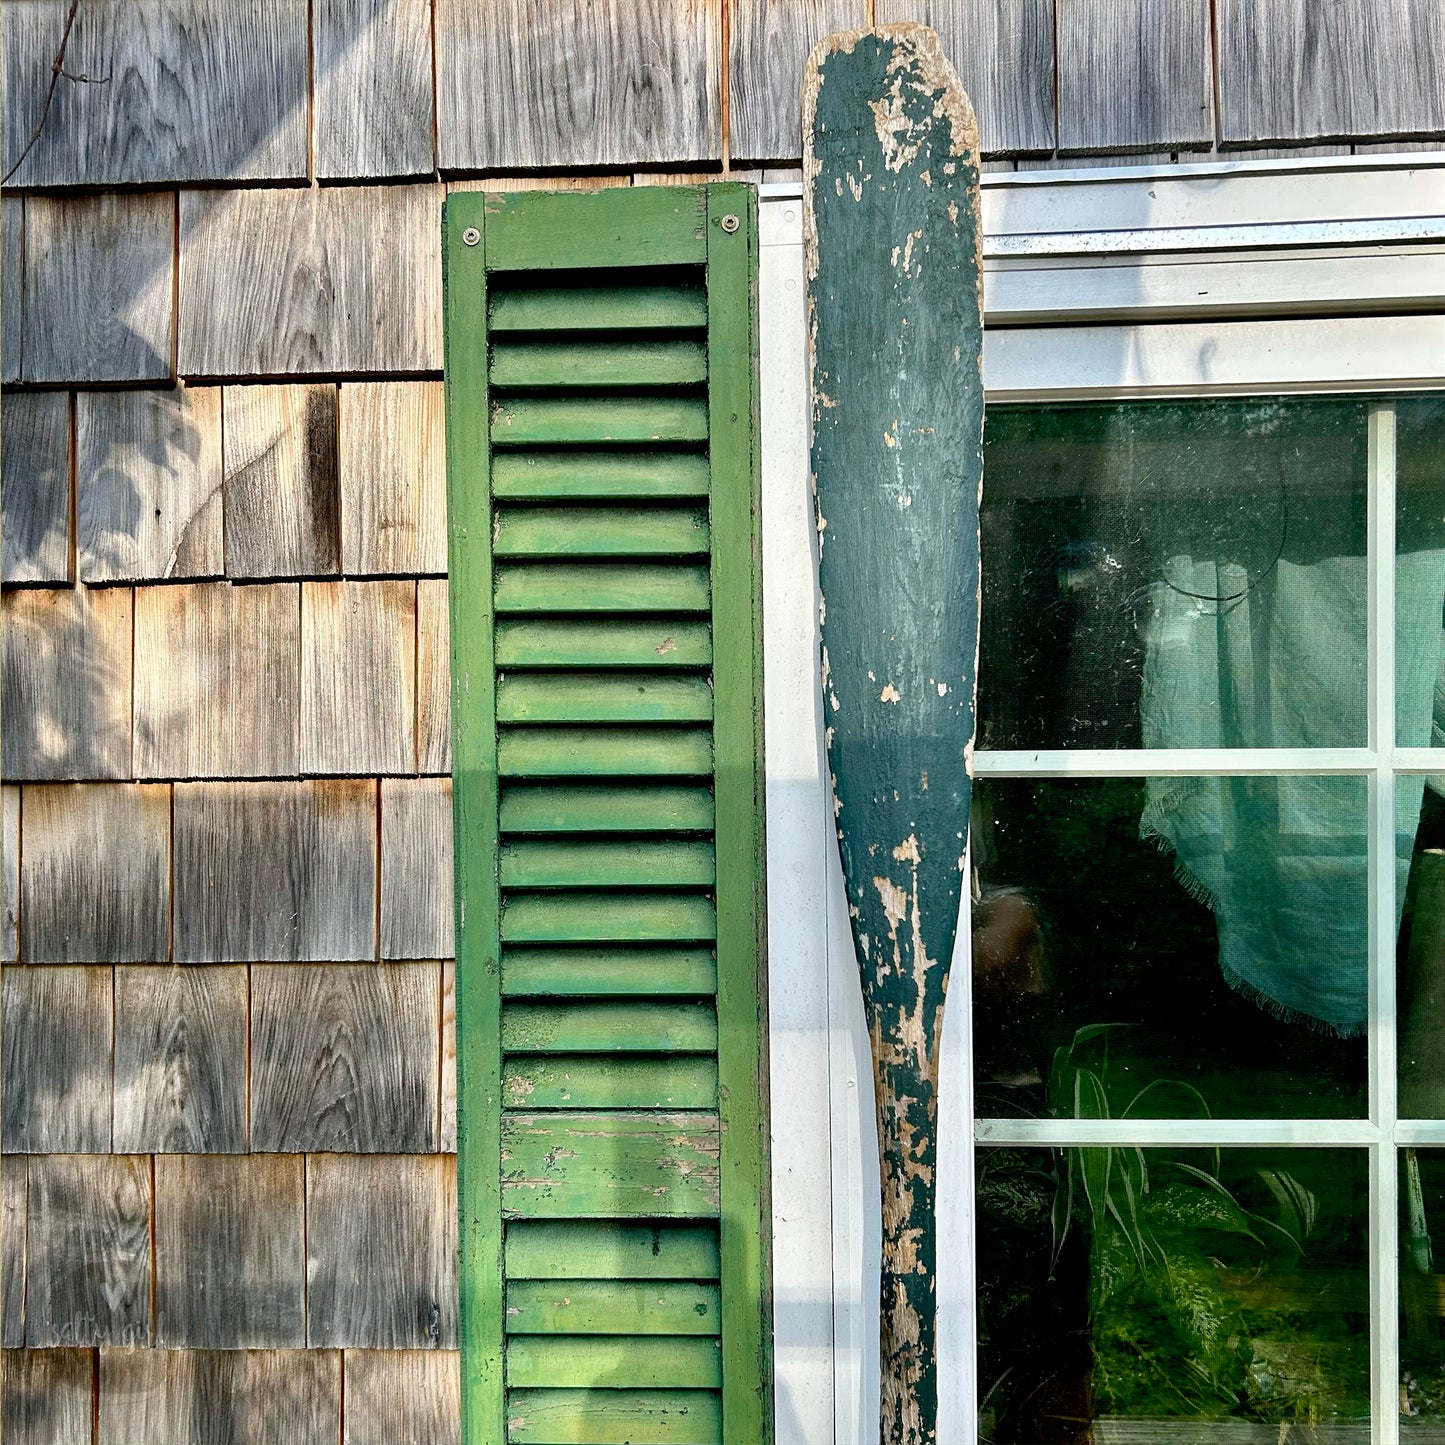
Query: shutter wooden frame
[488, 241]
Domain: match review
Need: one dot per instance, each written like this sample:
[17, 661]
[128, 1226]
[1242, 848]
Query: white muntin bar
[1173, 762]
[1174, 1133]
[1384, 1221]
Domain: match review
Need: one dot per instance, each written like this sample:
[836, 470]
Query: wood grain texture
[649, 94]
[1003, 51]
[229, 1248]
[447, 1142]
[12, 266]
[148, 484]
[639, 1417]
[180, 1060]
[393, 478]
[45, 1397]
[372, 100]
[99, 296]
[344, 1057]
[9, 874]
[282, 502]
[396, 1395]
[284, 872]
[398, 1212]
[358, 677]
[1299, 70]
[1134, 75]
[206, 1397]
[145, 124]
[417, 906]
[768, 43]
[65, 677]
[88, 1250]
[56, 1060]
[609, 1165]
[14, 1190]
[344, 278]
[433, 677]
[95, 872]
[35, 485]
[217, 685]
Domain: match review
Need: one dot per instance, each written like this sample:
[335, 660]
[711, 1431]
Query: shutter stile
[595, 1044]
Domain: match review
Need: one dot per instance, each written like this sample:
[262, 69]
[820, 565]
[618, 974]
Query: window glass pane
[1421, 954]
[1170, 948]
[1174, 574]
[1136, 1294]
[1422, 1297]
[1420, 571]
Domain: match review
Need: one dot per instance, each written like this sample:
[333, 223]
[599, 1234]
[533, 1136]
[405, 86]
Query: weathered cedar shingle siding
[226, 864]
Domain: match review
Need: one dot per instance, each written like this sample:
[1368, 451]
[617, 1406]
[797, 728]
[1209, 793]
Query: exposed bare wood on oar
[891, 237]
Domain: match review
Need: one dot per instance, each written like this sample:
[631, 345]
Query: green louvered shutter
[606, 706]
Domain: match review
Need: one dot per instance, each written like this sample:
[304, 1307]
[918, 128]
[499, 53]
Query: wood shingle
[35, 485]
[88, 1250]
[55, 1059]
[344, 1057]
[275, 871]
[398, 1212]
[236, 1222]
[65, 680]
[160, 59]
[99, 297]
[148, 484]
[281, 498]
[95, 862]
[180, 1059]
[217, 680]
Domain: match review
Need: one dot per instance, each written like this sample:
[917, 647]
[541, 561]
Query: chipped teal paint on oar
[892, 246]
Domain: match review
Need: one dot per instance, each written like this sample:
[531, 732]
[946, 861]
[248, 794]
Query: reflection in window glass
[1420, 571]
[1174, 574]
[1422, 1292]
[1170, 948]
[1421, 963]
[1145, 1295]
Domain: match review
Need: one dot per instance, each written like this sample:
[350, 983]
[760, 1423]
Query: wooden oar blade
[891, 237]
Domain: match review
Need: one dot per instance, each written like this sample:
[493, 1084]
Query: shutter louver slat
[602, 548]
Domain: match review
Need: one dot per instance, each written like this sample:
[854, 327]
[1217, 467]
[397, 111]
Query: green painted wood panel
[547, 230]
[602, 697]
[518, 422]
[614, 1363]
[600, 308]
[602, 587]
[597, 474]
[481, 1294]
[620, 821]
[579, 1028]
[664, 643]
[606, 1307]
[738, 671]
[598, 363]
[605, 808]
[580, 972]
[612, 1251]
[584, 863]
[610, 1165]
[601, 532]
[608, 918]
[572, 1081]
[604, 752]
[615, 1417]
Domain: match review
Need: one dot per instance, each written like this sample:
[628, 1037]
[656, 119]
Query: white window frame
[1296, 277]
